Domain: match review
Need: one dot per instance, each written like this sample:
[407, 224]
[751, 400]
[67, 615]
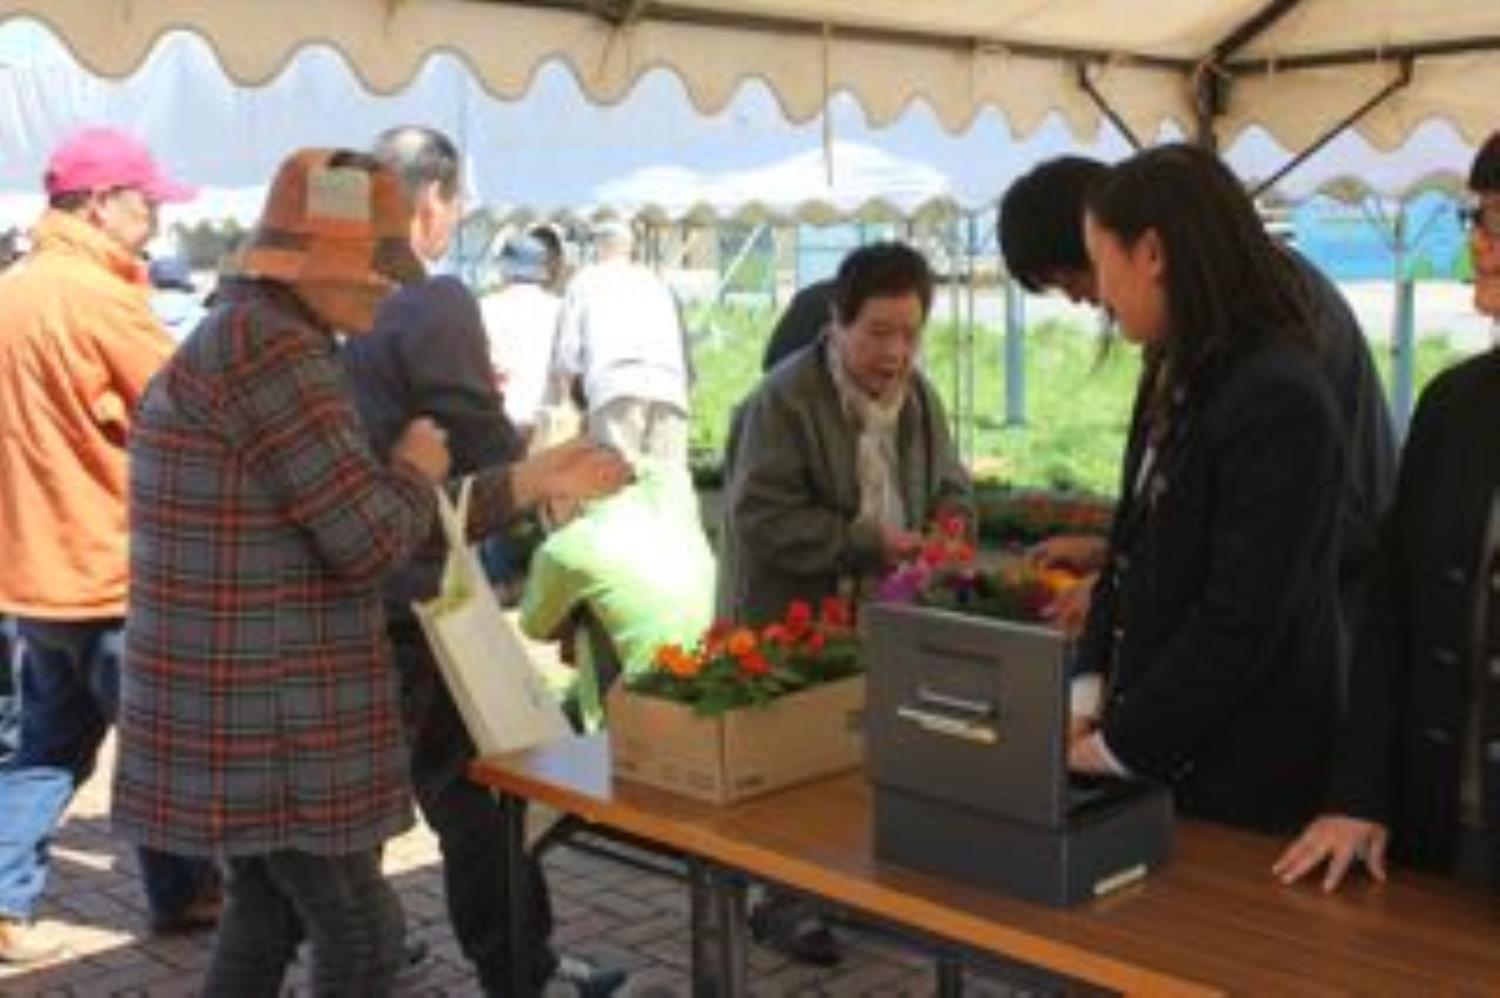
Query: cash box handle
[952, 716]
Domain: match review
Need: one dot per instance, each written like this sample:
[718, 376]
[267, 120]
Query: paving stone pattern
[613, 912]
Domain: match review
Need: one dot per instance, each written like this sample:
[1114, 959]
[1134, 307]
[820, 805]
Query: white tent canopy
[1295, 67]
[555, 152]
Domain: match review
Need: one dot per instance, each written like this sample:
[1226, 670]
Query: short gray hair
[421, 157]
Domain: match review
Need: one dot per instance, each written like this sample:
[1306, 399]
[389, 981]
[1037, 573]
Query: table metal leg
[517, 956]
[733, 933]
[950, 974]
[701, 934]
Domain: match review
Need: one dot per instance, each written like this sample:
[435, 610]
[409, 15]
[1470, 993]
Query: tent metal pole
[1015, 354]
[970, 337]
[1366, 56]
[1403, 331]
[1105, 107]
[1211, 79]
[794, 26]
[1403, 78]
[951, 251]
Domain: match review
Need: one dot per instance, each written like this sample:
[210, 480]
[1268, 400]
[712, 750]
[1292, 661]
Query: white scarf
[875, 455]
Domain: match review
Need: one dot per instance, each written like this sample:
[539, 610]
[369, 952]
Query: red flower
[714, 639]
[776, 633]
[799, 617]
[754, 664]
[798, 613]
[953, 526]
[814, 643]
[934, 553]
[836, 612]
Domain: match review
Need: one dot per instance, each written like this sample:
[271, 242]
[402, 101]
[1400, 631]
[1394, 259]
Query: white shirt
[620, 333]
[520, 321]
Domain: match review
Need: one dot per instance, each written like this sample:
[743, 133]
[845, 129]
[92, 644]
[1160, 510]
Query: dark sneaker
[199, 915]
[797, 930]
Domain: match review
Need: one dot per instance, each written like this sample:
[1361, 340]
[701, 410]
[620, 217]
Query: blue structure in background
[821, 248]
[1353, 242]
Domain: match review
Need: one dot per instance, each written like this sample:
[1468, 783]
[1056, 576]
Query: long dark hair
[1226, 281]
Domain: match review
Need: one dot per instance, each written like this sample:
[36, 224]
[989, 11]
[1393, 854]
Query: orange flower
[964, 555]
[678, 662]
[741, 642]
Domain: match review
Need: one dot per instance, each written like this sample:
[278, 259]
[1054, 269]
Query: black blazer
[1431, 651]
[1217, 621]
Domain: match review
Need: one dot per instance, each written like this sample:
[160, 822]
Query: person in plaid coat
[259, 719]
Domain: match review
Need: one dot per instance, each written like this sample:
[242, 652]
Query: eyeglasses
[1483, 215]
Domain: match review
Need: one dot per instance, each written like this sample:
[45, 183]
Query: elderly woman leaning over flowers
[841, 456]
[836, 463]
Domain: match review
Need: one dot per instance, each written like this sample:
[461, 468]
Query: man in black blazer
[1419, 765]
[1040, 232]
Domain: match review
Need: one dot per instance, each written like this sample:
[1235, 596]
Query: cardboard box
[742, 753]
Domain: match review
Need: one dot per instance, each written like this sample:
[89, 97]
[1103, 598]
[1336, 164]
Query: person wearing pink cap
[78, 343]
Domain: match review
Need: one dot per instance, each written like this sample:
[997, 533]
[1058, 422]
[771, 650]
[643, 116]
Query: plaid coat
[258, 703]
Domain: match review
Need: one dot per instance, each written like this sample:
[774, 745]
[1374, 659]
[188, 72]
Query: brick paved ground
[607, 910]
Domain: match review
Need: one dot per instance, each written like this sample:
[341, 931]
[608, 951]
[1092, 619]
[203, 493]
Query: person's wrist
[526, 486]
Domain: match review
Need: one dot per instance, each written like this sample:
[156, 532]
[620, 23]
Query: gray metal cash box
[966, 735]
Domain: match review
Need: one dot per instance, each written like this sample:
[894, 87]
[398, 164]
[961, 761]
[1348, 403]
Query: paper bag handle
[455, 516]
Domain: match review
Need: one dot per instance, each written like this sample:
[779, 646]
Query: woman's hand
[1070, 610]
[1338, 840]
[1083, 553]
[897, 545]
[578, 469]
[1086, 752]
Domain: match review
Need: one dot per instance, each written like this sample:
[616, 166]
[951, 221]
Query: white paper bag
[502, 696]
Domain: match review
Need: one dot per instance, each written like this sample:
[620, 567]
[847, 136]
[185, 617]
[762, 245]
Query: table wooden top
[1212, 920]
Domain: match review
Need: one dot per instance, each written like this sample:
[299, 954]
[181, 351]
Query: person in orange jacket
[78, 344]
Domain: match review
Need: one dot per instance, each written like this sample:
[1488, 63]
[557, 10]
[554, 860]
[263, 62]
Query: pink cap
[97, 159]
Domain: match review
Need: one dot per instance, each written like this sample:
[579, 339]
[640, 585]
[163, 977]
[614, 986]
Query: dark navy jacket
[428, 355]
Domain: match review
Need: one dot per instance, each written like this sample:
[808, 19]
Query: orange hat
[334, 218]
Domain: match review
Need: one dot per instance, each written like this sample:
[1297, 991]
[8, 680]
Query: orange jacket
[78, 343]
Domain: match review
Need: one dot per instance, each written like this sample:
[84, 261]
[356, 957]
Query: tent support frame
[1399, 82]
[1105, 107]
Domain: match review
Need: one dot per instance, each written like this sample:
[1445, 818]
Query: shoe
[589, 980]
[200, 914]
[796, 930]
[20, 946]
